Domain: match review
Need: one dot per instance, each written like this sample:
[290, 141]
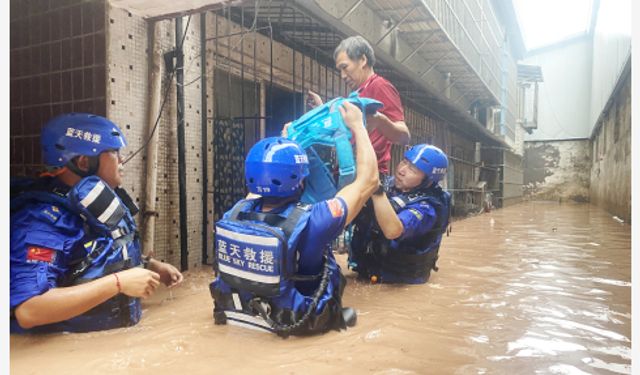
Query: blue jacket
[424, 214]
[56, 241]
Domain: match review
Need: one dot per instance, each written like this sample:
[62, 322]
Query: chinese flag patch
[335, 207]
[40, 254]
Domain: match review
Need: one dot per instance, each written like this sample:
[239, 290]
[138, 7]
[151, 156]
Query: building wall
[557, 170]
[611, 48]
[564, 96]
[587, 99]
[57, 59]
[128, 100]
[103, 68]
[611, 149]
[512, 177]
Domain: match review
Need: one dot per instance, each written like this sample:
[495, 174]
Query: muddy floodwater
[536, 288]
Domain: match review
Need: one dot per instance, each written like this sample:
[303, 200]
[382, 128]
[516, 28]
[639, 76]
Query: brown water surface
[533, 288]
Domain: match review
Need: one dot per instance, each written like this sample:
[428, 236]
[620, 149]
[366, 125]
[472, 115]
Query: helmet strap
[94, 164]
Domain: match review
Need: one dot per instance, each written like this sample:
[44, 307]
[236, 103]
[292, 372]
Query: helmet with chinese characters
[430, 160]
[74, 134]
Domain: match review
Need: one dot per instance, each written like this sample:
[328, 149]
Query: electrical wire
[164, 99]
[234, 47]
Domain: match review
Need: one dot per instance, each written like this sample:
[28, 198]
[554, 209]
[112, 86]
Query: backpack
[255, 251]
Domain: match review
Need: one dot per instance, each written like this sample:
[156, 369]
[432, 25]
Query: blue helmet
[275, 166]
[430, 160]
[74, 134]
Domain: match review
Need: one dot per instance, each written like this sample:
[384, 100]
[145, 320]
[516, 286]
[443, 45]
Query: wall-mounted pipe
[263, 109]
[182, 169]
[205, 124]
[155, 88]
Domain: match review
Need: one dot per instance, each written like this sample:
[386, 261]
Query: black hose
[284, 330]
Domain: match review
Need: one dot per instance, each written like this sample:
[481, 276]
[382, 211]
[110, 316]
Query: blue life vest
[410, 260]
[324, 125]
[110, 245]
[257, 283]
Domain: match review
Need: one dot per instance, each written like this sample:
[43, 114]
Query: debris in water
[372, 335]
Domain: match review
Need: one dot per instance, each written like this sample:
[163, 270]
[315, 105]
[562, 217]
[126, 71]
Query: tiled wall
[127, 105]
[57, 65]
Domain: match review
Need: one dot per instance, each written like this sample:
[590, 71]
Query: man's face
[351, 71]
[408, 176]
[111, 168]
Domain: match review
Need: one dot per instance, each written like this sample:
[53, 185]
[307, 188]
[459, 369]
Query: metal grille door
[229, 184]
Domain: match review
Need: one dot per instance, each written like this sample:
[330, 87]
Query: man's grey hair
[356, 47]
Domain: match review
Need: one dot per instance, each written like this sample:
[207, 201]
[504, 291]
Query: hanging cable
[164, 100]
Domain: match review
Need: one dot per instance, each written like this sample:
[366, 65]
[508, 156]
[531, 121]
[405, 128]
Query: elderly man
[355, 59]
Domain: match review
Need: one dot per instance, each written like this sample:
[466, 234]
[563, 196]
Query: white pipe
[263, 110]
[155, 87]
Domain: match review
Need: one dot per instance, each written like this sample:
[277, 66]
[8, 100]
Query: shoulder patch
[335, 206]
[40, 254]
[52, 213]
[416, 213]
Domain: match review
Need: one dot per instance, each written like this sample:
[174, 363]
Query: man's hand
[285, 130]
[351, 115]
[138, 282]
[313, 99]
[169, 275]
[375, 119]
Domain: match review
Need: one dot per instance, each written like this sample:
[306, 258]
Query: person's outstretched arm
[59, 304]
[355, 195]
[169, 275]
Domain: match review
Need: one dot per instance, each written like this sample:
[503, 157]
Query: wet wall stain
[557, 170]
[540, 160]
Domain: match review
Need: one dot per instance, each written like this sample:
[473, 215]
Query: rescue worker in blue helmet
[76, 264]
[398, 238]
[275, 269]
